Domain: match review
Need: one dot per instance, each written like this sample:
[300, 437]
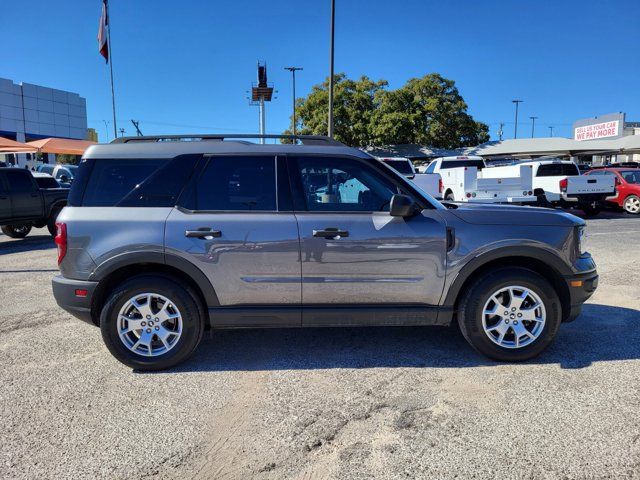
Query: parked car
[558, 183]
[627, 181]
[24, 204]
[64, 174]
[164, 239]
[463, 180]
[44, 180]
[402, 164]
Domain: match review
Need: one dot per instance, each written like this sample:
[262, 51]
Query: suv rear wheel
[511, 314]
[151, 323]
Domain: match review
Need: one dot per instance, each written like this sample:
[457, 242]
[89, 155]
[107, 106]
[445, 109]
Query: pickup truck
[463, 179]
[24, 204]
[559, 183]
[430, 184]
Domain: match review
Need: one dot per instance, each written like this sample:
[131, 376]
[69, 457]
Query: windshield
[402, 166]
[631, 176]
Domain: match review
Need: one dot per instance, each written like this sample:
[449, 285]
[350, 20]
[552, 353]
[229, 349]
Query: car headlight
[581, 239]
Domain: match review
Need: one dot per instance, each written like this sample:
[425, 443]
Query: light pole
[330, 120]
[293, 74]
[551, 131]
[106, 129]
[501, 131]
[533, 125]
[515, 131]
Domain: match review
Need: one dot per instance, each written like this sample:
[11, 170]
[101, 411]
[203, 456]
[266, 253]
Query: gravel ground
[322, 403]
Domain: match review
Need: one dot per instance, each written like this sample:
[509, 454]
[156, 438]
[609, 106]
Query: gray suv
[164, 238]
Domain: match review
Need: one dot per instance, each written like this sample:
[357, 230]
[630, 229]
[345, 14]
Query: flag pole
[113, 94]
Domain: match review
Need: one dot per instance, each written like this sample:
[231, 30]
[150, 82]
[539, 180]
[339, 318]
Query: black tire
[182, 297]
[51, 221]
[627, 204]
[19, 230]
[470, 313]
[590, 211]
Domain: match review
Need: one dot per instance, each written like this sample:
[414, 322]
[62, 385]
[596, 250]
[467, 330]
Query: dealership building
[600, 140]
[32, 112]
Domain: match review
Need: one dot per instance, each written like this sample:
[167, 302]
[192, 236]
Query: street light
[293, 74]
[551, 131]
[515, 131]
[533, 125]
[330, 120]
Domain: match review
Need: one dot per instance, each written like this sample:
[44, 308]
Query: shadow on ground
[601, 333]
[27, 244]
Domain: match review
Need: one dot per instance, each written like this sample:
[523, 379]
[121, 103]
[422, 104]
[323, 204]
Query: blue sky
[186, 66]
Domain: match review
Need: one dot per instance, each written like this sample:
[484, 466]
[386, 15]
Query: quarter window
[237, 184]
[331, 184]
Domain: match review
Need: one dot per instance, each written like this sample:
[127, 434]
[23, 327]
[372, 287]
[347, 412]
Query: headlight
[582, 239]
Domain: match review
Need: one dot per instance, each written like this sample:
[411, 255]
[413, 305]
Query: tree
[353, 105]
[427, 111]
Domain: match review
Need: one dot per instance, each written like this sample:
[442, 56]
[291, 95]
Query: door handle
[203, 232]
[331, 233]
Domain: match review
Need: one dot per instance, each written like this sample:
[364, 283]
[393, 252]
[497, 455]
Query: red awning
[61, 145]
[11, 146]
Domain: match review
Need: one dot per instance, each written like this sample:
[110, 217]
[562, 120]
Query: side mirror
[402, 206]
[64, 179]
[618, 182]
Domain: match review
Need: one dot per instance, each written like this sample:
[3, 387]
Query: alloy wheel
[513, 317]
[632, 204]
[149, 324]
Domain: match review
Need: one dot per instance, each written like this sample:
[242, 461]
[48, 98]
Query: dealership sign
[604, 126]
[599, 130]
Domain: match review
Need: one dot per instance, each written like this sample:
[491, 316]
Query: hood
[488, 214]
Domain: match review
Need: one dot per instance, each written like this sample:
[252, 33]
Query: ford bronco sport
[164, 238]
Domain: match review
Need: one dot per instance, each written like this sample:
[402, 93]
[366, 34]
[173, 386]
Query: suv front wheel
[151, 323]
[510, 314]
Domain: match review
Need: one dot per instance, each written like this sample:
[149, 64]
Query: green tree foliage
[427, 111]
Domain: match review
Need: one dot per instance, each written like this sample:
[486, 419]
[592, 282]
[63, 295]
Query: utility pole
[106, 129]
[551, 131]
[330, 120]
[515, 131]
[136, 124]
[533, 125]
[293, 74]
[501, 131]
[121, 132]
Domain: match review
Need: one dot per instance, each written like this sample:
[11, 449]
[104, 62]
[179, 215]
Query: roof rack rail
[303, 139]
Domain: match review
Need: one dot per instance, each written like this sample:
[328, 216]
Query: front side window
[236, 184]
[343, 184]
[631, 176]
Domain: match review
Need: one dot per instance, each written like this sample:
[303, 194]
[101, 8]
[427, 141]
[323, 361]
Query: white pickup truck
[428, 183]
[559, 183]
[463, 180]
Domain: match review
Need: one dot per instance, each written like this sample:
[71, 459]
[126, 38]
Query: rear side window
[557, 170]
[479, 164]
[20, 181]
[236, 184]
[133, 182]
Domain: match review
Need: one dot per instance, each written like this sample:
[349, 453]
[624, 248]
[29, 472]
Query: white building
[31, 112]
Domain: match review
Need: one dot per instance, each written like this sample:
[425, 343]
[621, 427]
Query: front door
[234, 227]
[353, 252]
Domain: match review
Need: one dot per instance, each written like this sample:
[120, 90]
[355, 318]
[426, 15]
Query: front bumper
[64, 291]
[581, 287]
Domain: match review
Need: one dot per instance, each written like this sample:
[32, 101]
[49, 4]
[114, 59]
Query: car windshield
[402, 166]
[631, 176]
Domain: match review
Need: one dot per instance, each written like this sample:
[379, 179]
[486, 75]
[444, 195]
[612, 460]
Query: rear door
[353, 252]
[26, 200]
[237, 226]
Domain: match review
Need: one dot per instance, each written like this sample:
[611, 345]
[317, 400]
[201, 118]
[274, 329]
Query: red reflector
[468, 195]
[81, 292]
[563, 185]
[61, 240]
[440, 185]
